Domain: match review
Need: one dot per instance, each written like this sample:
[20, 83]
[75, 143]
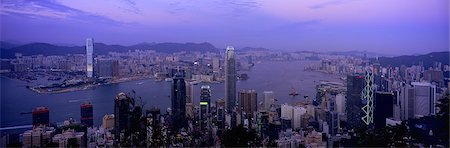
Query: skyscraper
[41, 116]
[178, 99]
[367, 97]
[355, 85]
[384, 108]
[424, 98]
[205, 100]
[248, 103]
[122, 107]
[405, 103]
[220, 107]
[87, 114]
[230, 79]
[269, 99]
[89, 57]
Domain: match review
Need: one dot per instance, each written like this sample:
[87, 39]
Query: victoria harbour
[224, 73]
[16, 98]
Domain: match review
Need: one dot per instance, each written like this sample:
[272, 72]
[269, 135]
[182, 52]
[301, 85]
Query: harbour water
[279, 77]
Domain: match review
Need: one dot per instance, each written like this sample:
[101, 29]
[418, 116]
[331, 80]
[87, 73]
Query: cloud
[330, 3]
[35, 9]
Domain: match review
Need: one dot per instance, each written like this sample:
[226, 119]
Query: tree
[240, 137]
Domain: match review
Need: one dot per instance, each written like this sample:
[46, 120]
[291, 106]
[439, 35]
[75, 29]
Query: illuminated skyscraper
[41, 116]
[230, 79]
[205, 100]
[367, 97]
[89, 57]
[87, 114]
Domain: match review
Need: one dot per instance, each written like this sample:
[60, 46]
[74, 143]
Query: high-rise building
[216, 64]
[384, 108]
[89, 57]
[220, 107]
[297, 114]
[340, 103]
[424, 98]
[105, 68]
[405, 103]
[87, 114]
[108, 121]
[248, 103]
[205, 101]
[189, 100]
[123, 104]
[332, 119]
[269, 100]
[355, 85]
[41, 116]
[115, 68]
[230, 79]
[367, 97]
[178, 99]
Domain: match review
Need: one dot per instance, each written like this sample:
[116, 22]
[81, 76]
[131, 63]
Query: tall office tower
[340, 103]
[189, 92]
[269, 100]
[205, 100]
[89, 57]
[248, 103]
[384, 108]
[230, 79]
[405, 103]
[189, 100]
[355, 85]
[115, 68]
[41, 116]
[220, 106]
[123, 104]
[332, 119]
[297, 115]
[216, 64]
[87, 114]
[178, 98]
[367, 97]
[424, 98]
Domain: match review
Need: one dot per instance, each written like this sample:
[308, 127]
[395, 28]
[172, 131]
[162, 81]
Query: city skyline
[224, 73]
[400, 27]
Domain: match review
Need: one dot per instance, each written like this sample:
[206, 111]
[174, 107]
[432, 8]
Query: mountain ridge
[102, 49]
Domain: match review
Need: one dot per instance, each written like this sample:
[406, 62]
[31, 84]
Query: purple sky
[393, 26]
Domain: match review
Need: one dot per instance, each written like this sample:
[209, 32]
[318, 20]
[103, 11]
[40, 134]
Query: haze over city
[398, 27]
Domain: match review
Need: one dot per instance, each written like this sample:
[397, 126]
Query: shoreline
[93, 86]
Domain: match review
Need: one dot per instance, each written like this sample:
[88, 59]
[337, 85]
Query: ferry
[293, 92]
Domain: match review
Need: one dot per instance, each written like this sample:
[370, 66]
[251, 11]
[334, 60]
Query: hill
[101, 49]
[408, 60]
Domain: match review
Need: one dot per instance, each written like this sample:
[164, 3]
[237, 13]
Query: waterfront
[276, 76]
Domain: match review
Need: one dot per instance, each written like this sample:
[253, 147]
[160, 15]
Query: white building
[286, 111]
[89, 57]
[297, 117]
[340, 104]
[269, 99]
[424, 98]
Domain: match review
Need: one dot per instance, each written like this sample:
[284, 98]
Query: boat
[293, 92]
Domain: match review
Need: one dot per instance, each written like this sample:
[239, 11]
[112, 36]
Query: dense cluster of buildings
[372, 97]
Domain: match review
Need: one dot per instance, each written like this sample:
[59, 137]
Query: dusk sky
[389, 26]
